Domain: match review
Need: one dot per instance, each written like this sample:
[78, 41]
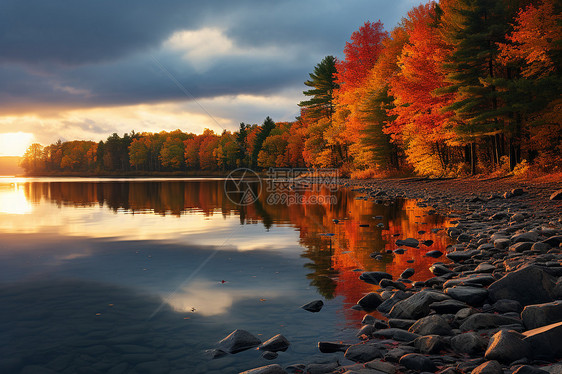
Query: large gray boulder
[363, 352]
[546, 341]
[416, 306]
[374, 277]
[483, 321]
[507, 346]
[431, 325]
[370, 301]
[528, 285]
[538, 315]
[420, 363]
[488, 367]
[473, 296]
[238, 341]
[275, 344]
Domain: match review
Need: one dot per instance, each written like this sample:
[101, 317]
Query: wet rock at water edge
[448, 306]
[439, 269]
[417, 305]
[275, 344]
[314, 306]
[374, 277]
[396, 334]
[268, 355]
[363, 353]
[269, 369]
[538, 315]
[431, 325]
[415, 361]
[488, 367]
[507, 346]
[474, 296]
[238, 341]
[407, 273]
[434, 254]
[330, 347]
[370, 301]
[381, 366]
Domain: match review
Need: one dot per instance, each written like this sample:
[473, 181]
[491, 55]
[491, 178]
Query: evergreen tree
[265, 130]
[241, 143]
[323, 83]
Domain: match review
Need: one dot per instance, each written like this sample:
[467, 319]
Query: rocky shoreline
[495, 307]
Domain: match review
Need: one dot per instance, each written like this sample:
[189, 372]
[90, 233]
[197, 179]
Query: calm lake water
[144, 276]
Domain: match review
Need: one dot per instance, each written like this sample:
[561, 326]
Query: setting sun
[14, 143]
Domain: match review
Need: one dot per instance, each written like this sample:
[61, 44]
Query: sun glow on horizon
[15, 143]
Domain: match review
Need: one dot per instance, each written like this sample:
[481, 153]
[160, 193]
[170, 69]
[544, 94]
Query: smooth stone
[374, 277]
[238, 341]
[370, 301]
[384, 283]
[268, 355]
[540, 247]
[407, 273]
[381, 366]
[506, 305]
[269, 369]
[417, 305]
[430, 344]
[447, 306]
[415, 361]
[458, 256]
[365, 332]
[488, 367]
[395, 354]
[482, 321]
[507, 346]
[431, 325]
[396, 334]
[528, 285]
[546, 341]
[439, 269]
[521, 247]
[527, 369]
[539, 315]
[275, 344]
[320, 368]
[485, 267]
[471, 295]
[408, 242]
[363, 353]
[468, 343]
[471, 280]
[313, 306]
[530, 236]
[501, 243]
[403, 324]
[469, 365]
[556, 195]
[434, 254]
[329, 347]
[553, 369]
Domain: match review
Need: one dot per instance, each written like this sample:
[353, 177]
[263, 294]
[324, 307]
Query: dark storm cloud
[97, 53]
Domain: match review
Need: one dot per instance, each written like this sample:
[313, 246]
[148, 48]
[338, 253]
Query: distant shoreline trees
[458, 87]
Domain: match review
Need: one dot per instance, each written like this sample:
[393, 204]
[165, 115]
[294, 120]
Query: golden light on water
[13, 200]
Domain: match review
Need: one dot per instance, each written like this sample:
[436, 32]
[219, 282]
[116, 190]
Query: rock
[409, 242]
[553, 241]
[275, 344]
[553, 369]
[488, 367]
[439, 269]
[430, 344]
[414, 361]
[431, 325]
[501, 243]
[417, 305]
[546, 341]
[395, 354]
[381, 366]
[556, 195]
[526, 369]
[540, 247]
[528, 285]
[238, 341]
[525, 237]
[396, 334]
[329, 347]
[505, 306]
[485, 267]
[471, 295]
[365, 332]
[434, 254]
[407, 273]
[269, 369]
[517, 192]
[447, 306]
[403, 324]
[521, 247]
[370, 301]
[314, 306]
[363, 353]
[270, 355]
[458, 256]
[387, 305]
[507, 346]
[471, 280]
[498, 216]
[374, 277]
[215, 353]
[320, 368]
[482, 321]
[538, 315]
[468, 343]
[384, 283]
[469, 365]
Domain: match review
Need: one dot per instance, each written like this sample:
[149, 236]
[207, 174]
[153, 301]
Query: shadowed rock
[416, 306]
[269, 369]
[488, 367]
[374, 277]
[275, 344]
[414, 361]
[431, 325]
[546, 341]
[528, 285]
[370, 301]
[314, 306]
[363, 353]
[482, 321]
[238, 341]
[469, 343]
[507, 346]
[538, 315]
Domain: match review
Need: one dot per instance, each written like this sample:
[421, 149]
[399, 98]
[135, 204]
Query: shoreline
[495, 309]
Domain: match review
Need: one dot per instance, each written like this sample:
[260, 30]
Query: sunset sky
[86, 69]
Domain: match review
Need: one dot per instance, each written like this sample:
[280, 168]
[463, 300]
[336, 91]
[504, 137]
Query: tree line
[458, 87]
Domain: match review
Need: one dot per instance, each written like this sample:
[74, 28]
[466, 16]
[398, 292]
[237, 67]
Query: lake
[147, 275]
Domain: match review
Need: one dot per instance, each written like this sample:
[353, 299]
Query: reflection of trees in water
[332, 258]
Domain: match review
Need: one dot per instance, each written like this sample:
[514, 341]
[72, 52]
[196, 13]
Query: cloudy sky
[85, 69]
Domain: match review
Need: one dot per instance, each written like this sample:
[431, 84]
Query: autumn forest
[458, 87]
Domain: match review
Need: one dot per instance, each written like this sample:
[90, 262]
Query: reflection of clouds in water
[207, 298]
